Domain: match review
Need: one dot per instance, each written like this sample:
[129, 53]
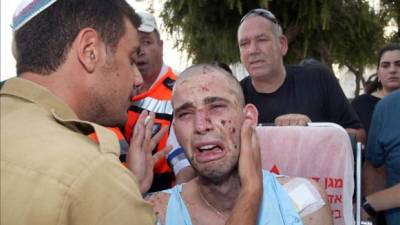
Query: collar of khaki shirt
[61, 112]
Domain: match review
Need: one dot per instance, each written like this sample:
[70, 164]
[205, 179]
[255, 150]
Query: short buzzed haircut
[43, 43]
[198, 69]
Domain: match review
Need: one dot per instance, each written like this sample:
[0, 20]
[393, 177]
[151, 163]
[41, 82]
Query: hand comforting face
[140, 159]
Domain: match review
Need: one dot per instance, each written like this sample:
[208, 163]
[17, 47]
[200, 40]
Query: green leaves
[348, 32]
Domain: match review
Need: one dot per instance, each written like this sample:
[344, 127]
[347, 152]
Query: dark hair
[372, 84]
[387, 48]
[43, 43]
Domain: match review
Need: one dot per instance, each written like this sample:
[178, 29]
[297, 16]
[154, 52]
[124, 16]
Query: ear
[250, 112]
[88, 48]
[283, 44]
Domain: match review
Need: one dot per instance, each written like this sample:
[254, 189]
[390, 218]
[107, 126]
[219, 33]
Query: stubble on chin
[216, 175]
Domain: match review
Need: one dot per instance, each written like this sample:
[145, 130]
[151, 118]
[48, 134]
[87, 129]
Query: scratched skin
[213, 115]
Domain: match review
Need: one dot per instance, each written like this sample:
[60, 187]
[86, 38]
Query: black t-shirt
[309, 90]
[364, 106]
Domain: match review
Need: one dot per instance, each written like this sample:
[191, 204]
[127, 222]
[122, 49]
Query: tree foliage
[391, 9]
[347, 32]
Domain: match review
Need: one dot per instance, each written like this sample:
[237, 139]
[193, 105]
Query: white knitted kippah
[28, 9]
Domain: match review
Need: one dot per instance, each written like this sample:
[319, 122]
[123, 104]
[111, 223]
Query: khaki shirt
[52, 173]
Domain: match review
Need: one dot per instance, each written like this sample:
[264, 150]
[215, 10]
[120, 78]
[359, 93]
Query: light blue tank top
[276, 207]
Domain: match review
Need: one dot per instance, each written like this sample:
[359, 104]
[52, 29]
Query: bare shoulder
[309, 198]
[159, 202]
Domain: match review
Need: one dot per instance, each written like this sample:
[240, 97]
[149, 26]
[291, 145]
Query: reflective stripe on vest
[155, 105]
[157, 99]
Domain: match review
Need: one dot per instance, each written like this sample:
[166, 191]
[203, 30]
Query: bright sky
[171, 56]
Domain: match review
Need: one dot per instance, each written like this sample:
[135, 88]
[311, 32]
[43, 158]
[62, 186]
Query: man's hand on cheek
[140, 159]
[250, 170]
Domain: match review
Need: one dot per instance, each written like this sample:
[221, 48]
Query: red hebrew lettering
[316, 179]
[336, 213]
[331, 198]
[329, 182]
[338, 199]
[339, 183]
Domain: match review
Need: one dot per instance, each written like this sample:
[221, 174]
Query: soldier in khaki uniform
[73, 66]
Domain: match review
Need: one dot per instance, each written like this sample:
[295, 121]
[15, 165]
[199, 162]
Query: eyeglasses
[261, 12]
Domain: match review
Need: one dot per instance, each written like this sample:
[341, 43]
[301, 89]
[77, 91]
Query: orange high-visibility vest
[157, 99]
[123, 144]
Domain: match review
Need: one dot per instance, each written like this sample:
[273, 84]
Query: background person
[383, 149]
[288, 95]
[386, 80]
[155, 96]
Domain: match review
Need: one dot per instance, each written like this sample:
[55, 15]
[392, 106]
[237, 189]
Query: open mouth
[209, 152]
[209, 148]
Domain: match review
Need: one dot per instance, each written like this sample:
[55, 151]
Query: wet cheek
[181, 133]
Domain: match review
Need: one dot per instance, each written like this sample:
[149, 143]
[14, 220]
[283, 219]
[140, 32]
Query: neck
[381, 93]
[386, 91]
[270, 83]
[150, 79]
[60, 86]
[220, 196]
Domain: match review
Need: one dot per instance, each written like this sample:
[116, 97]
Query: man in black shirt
[288, 95]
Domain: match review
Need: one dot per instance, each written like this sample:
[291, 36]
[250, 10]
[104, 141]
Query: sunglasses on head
[261, 12]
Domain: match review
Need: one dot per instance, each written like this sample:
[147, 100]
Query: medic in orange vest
[158, 100]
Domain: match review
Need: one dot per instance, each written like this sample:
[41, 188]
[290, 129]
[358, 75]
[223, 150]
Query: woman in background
[386, 80]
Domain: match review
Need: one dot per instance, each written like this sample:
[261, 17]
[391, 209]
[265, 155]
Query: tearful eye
[217, 106]
[183, 115]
